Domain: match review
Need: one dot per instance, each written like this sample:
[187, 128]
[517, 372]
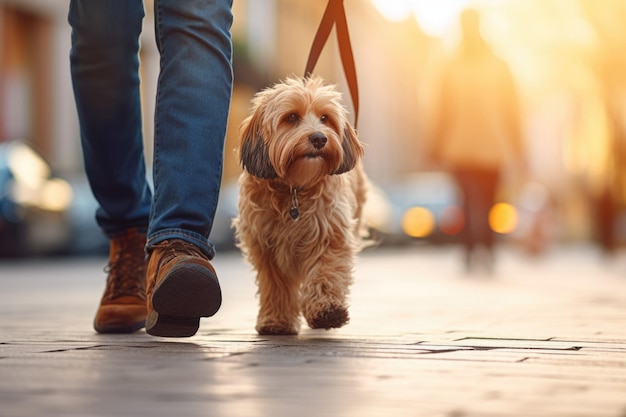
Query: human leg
[192, 106]
[465, 181]
[488, 187]
[104, 67]
[487, 180]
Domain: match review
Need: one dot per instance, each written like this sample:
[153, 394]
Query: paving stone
[423, 340]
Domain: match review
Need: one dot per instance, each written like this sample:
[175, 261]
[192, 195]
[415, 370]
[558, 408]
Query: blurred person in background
[609, 190]
[176, 285]
[477, 133]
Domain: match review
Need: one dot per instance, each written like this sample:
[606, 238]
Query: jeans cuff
[195, 238]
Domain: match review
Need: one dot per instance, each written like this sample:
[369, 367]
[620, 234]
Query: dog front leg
[278, 297]
[325, 292]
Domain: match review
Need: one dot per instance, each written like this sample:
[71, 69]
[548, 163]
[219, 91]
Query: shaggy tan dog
[300, 203]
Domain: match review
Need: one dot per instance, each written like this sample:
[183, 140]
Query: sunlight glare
[436, 18]
[394, 10]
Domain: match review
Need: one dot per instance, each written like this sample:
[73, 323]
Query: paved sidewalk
[538, 338]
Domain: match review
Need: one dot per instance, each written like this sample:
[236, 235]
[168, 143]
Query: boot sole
[132, 328]
[171, 326]
[187, 293]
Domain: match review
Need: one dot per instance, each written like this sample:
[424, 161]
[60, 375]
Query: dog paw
[331, 318]
[276, 329]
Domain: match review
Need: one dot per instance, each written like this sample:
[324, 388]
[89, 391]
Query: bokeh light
[418, 222]
[503, 218]
[451, 220]
[56, 195]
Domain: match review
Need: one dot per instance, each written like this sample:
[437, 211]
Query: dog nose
[318, 140]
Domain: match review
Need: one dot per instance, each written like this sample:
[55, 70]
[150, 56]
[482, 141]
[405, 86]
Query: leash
[335, 14]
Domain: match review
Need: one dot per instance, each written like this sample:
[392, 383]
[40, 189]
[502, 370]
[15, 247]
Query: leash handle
[335, 14]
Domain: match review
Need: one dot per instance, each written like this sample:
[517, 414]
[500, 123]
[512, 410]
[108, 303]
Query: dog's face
[298, 132]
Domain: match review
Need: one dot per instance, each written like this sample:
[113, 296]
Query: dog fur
[301, 158]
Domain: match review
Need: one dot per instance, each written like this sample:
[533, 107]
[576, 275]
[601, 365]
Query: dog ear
[253, 151]
[352, 150]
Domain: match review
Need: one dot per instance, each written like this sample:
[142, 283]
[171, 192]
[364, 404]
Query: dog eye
[293, 118]
[324, 118]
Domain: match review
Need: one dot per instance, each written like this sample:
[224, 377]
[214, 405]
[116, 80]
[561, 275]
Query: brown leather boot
[182, 287]
[123, 305]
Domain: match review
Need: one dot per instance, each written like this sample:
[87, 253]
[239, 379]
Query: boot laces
[126, 270]
[167, 251]
[175, 248]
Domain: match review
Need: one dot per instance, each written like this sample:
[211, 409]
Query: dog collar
[294, 212]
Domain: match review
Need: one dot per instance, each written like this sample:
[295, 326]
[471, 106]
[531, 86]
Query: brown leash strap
[335, 14]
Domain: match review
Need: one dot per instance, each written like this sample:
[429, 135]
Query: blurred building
[274, 38]
[271, 38]
[35, 100]
[550, 44]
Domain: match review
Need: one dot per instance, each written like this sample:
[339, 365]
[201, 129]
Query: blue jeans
[192, 103]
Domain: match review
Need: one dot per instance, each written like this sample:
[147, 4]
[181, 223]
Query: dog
[301, 197]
